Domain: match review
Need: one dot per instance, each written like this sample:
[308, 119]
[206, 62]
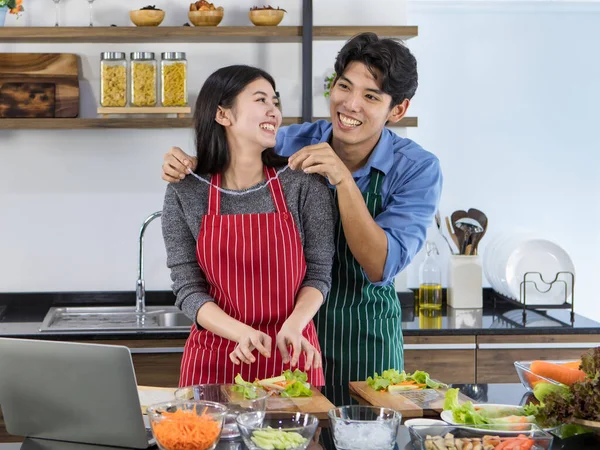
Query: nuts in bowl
[266, 16]
[148, 16]
[205, 14]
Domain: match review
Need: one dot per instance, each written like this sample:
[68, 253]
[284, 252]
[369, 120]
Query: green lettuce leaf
[423, 378]
[296, 375]
[297, 389]
[244, 387]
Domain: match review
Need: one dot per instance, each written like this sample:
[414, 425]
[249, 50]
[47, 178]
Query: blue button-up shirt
[410, 191]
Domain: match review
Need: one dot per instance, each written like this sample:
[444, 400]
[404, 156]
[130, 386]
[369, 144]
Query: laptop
[73, 392]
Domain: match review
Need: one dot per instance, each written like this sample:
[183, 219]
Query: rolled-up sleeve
[318, 222]
[189, 283]
[407, 214]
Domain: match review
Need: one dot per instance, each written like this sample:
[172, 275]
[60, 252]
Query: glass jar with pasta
[113, 79]
[143, 76]
[173, 79]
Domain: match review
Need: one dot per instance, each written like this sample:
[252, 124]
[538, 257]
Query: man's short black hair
[385, 58]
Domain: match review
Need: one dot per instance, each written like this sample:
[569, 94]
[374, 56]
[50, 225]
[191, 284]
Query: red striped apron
[254, 265]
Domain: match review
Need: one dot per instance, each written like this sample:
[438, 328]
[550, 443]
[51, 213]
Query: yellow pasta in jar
[114, 86]
[174, 89]
[143, 84]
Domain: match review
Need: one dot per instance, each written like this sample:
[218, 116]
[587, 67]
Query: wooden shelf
[136, 122]
[192, 34]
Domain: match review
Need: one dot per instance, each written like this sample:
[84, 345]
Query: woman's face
[255, 116]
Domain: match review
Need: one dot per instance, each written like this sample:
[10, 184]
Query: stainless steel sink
[115, 318]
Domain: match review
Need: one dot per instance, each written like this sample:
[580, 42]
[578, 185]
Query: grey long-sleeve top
[308, 198]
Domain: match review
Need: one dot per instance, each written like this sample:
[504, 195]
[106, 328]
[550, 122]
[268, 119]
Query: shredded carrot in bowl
[181, 430]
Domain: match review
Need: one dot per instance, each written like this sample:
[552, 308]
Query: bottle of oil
[430, 280]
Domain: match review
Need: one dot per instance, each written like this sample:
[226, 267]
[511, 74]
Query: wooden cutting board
[318, 404]
[39, 85]
[426, 402]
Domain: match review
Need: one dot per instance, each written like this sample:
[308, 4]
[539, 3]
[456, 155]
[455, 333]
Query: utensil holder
[465, 285]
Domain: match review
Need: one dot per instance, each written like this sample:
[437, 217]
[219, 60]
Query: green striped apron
[359, 326]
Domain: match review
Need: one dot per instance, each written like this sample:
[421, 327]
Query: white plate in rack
[546, 257]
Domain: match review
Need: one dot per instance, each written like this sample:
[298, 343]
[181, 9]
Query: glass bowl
[423, 439]
[176, 424]
[225, 394]
[530, 379]
[364, 427]
[292, 431]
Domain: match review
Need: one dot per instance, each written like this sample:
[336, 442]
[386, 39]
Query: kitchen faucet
[140, 289]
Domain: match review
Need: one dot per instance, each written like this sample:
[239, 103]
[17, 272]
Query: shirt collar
[381, 157]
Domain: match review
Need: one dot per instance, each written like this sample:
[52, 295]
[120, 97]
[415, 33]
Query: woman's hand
[177, 164]
[290, 335]
[248, 341]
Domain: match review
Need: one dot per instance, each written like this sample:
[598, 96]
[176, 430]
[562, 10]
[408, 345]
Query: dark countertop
[23, 314]
[481, 393]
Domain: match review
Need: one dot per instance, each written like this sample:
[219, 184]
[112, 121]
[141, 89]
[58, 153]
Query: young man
[387, 189]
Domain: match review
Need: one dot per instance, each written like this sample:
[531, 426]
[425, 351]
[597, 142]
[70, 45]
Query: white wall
[508, 100]
[72, 202]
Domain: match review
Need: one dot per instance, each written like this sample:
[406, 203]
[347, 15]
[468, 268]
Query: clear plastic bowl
[226, 395]
[300, 427]
[364, 427]
[529, 379]
[159, 417]
[542, 440]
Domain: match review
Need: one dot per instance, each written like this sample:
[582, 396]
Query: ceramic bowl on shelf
[266, 17]
[147, 17]
[208, 18]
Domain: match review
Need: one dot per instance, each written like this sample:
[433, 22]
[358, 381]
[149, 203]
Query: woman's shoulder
[190, 186]
[298, 177]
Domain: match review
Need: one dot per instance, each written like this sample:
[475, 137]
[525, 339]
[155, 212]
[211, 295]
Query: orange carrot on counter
[556, 372]
[521, 442]
[183, 430]
[572, 365]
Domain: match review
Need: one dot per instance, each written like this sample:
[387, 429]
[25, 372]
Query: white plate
[546, 257]
[446, 416]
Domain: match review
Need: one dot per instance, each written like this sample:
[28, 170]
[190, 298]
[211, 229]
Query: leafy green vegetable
[590, 362]
[296, 375]
[297, 389]
[541, 390]
[392, 377]
[244, 387]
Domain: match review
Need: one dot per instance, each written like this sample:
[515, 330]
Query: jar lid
[142, 56]
[173, 55]
[112, 55]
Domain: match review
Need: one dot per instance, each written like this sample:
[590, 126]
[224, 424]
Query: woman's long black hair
[220, 89]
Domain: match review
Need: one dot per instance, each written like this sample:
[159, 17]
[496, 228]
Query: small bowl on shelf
[261, 430]
[530, 379]
[266, 17]
[364, 427]
[227, 394]
[147, 17]
[207, 18]
[177, 424]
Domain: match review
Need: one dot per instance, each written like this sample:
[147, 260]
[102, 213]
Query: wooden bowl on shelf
[266, 17]
[147, 17]
[207, 18]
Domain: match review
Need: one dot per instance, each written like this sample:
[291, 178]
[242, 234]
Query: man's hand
[248, 341]
[177, 164]
[321, 159]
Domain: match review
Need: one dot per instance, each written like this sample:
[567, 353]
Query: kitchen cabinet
[496, 354]
[450, 359]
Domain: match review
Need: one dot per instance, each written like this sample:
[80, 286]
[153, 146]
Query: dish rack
[528, 283]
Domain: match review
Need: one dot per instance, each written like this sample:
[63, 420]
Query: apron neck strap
[214, 196]
[376, 181]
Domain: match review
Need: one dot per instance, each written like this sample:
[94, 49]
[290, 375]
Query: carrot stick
[183, 430]
[556, 372]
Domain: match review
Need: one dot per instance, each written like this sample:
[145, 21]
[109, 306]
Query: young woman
[249, 244]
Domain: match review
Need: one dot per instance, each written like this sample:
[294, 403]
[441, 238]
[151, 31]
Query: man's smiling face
[359, 108]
